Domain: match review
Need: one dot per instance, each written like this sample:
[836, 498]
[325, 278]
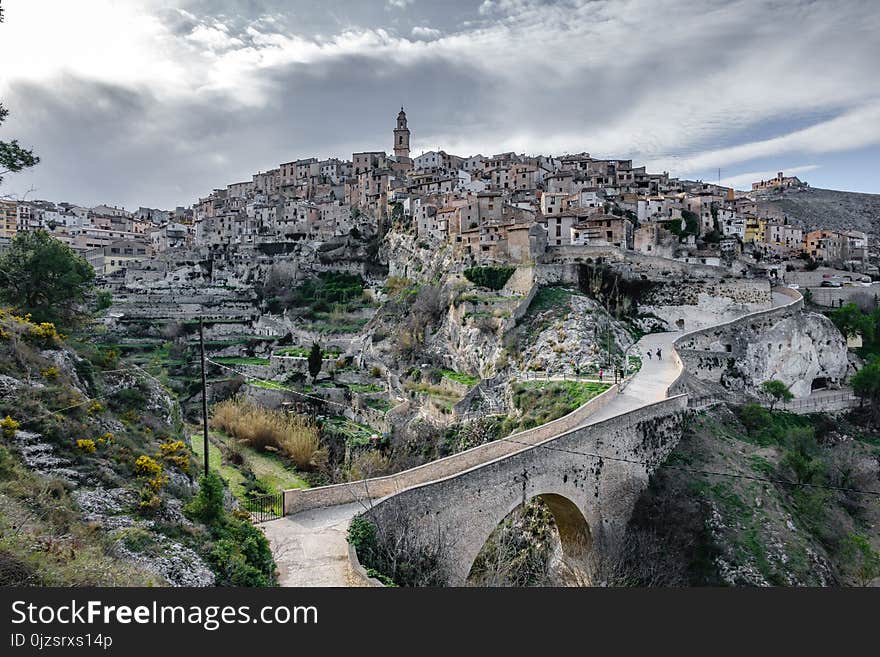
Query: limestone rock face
[797, 350]
[574, 342]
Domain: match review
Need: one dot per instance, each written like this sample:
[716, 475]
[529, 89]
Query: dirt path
[310, 548]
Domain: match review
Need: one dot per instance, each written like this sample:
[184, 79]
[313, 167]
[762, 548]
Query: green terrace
[255, 473]
[354, 433]
[381, 405]
[363, 388]
[441, 396]
[242, 361]
[459, 377]
[540, 402]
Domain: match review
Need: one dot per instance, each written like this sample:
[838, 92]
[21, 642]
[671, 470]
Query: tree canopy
[866, 384]
[316, 359]
[44, 277]
[777, 391]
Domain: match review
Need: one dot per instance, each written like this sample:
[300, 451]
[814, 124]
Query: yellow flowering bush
[175, 452]
[95, 407]
[86, 445]
[105, 439]
[50, 373]
[149, 469]
[146, 466]
[9, 427]
[44, 332]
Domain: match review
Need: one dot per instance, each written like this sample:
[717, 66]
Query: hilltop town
[504, 208]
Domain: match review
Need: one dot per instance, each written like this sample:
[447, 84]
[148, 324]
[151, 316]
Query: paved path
[310, 547]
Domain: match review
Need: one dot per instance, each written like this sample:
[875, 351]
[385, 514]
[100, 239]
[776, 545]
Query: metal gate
[265, 507]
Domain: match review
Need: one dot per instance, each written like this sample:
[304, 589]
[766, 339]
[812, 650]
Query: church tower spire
[401, 137]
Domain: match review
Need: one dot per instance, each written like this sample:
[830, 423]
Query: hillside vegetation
[787, 513]
[97, 482]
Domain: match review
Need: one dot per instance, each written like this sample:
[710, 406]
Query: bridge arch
[575, 536]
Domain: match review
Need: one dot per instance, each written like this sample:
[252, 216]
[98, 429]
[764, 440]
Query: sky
[157, 102]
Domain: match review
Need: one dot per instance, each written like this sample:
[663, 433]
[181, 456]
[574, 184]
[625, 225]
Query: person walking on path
[649, 354]
[659, 357]
[601, 372]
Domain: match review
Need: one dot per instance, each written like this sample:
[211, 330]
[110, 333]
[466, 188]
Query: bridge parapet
[694, 350]
[366, 489]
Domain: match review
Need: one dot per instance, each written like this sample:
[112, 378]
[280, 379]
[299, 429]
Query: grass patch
[365, 387]
[544, 401]
[459, 377]
[442, 396]
[268, 385]
[550, 297]
[354, 433]
[381, 405]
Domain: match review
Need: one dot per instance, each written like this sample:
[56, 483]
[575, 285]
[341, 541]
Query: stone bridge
[589, 468]
[589, 478]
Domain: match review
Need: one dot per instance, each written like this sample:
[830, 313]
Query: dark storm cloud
[214, 90]
[129, 148]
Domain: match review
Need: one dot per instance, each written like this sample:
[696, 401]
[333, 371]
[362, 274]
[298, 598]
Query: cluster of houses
[500, 208]
[110, 238]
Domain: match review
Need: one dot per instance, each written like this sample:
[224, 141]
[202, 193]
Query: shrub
[754, 417]
[86, 445]
[801, 456]
[146, 466]
[860, 558]
[241, 555]
[50, 373]
[207, 505]
[367, 464]
[95, 407]
[362, 537]
[45, 333]
[493, 278]
[9, 427]
[175, 452]
[150, 470]
[296, 436]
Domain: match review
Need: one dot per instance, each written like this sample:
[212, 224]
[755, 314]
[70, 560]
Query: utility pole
[204, 391]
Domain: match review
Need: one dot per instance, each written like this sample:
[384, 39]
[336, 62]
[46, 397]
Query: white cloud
[426, 33]
[678, 89]
[398, 4]
[857, 128]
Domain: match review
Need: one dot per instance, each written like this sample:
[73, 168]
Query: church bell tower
[401, 137]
